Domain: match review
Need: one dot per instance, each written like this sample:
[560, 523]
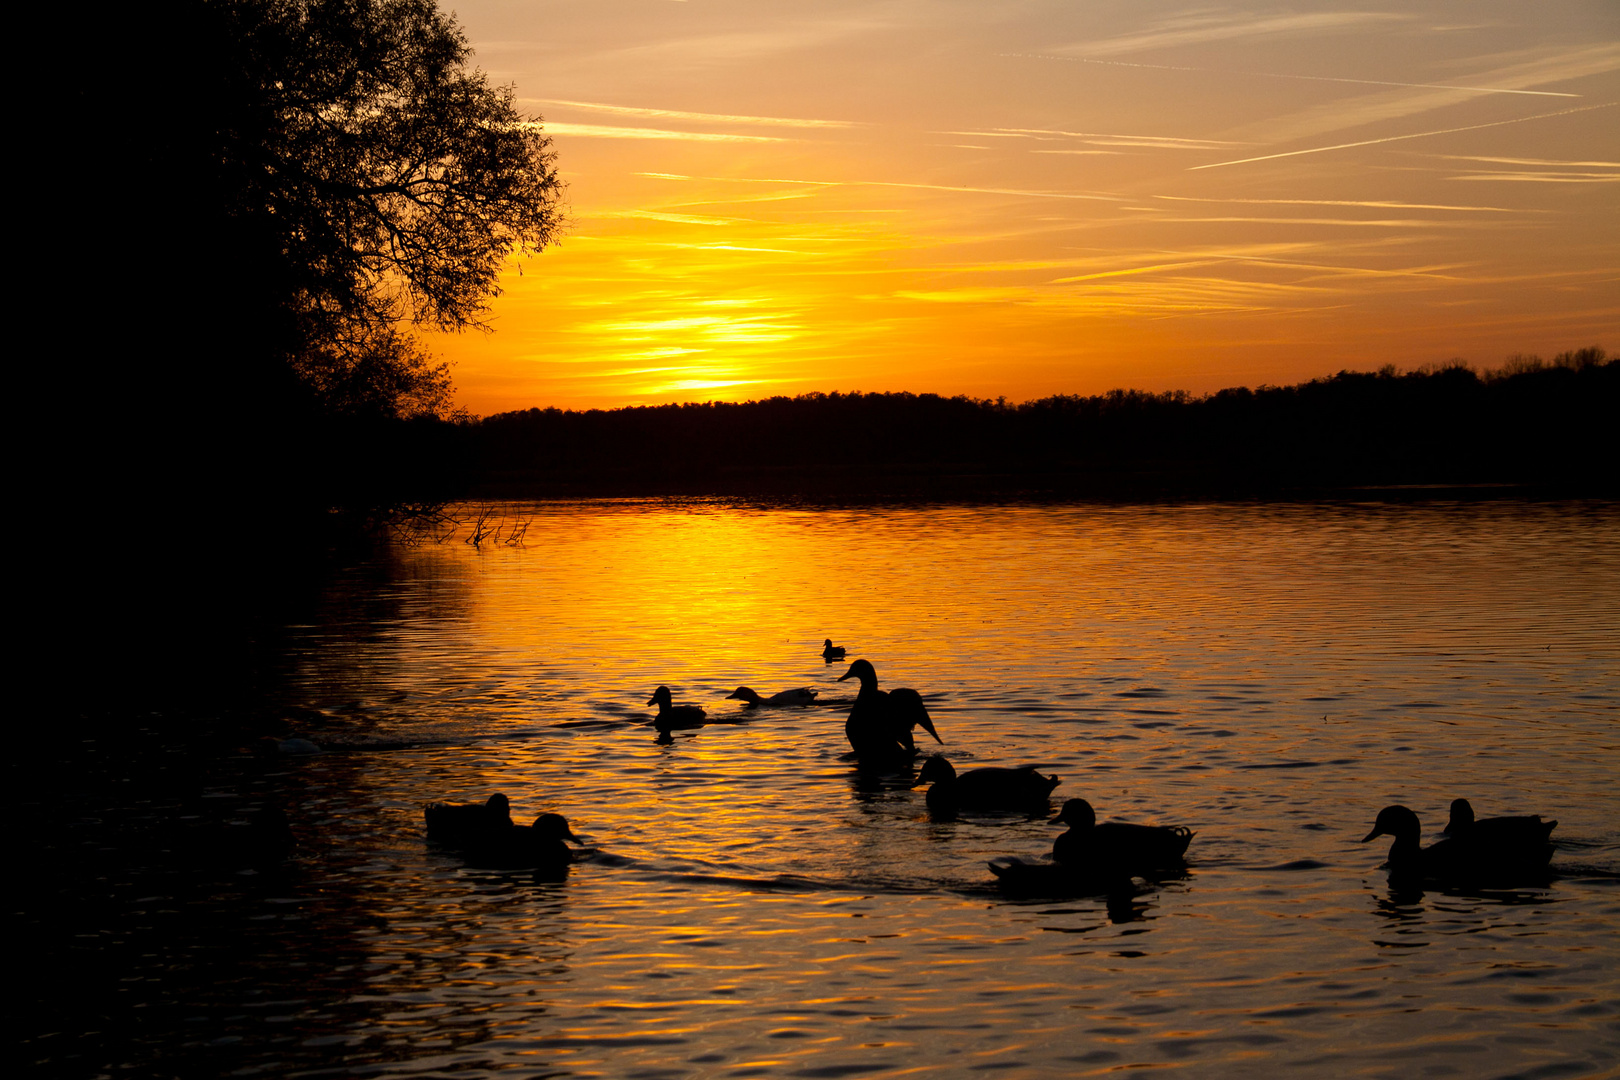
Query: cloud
[701, 117]
[608, 131]
[1201, 29]
[1516, 72]
[1369, 203]
[1399, 138]
[1542, 177]
[1307, 78]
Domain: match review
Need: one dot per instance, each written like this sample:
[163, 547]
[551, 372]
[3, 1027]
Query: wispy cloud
[1021, 192]
[1529, 161]
[1101, 138]
[1305, 78]
[609, 131]
[657, 215]
[1399, 138]
[699, 117]
[1201, 29]
[1542, 177]
[1373, 204]
[1398, 103]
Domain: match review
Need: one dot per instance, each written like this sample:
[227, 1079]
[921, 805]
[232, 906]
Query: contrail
[1277, 75]
[1398, 138]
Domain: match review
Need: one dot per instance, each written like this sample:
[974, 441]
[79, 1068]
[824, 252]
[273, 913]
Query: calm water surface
[1267, 675]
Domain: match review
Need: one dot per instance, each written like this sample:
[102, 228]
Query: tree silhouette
[377, 178]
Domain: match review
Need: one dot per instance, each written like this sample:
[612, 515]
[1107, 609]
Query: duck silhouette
[672, 717]
[1466, 859]
[984, 789]
[1117, 846]
[464, 823]
[831, 652]
[1020, 878]
[536, 847]
[1527, 832]
[800, 697]
[880, 722]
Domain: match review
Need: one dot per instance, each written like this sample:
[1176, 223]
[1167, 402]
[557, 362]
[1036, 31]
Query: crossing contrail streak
[1310, 78]
[1398, 138]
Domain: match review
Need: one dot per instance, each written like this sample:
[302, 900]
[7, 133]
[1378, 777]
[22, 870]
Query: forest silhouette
[1530, 423]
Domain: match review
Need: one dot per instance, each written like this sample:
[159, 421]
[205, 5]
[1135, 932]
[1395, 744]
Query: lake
[1269, 675]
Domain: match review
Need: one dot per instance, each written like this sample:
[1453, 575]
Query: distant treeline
[1546, 425]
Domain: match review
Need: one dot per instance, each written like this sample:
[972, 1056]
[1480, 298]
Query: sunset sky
[1031, 197]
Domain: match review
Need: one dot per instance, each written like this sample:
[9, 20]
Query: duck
[1019, 877]
[1473, 859]
[800, 697]
[522, 847]
[984, 789]
[1527, 831]
[672, 717]
[1117, 845]
[831, 652]
[463, 823]
[880, 722]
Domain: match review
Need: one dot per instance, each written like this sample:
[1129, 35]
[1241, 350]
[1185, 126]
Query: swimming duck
[521, 847]
[1465, 858]
[1116, 844]
[984, 789]
[880, 723]
[464, 823]
[802, 696]
[672, 717]
[831, 652]
[1035, 879]
[1528, 831]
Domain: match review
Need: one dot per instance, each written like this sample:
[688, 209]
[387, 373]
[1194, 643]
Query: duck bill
[653, 700]
[1372, 835]
[928, 726]
[850, 674]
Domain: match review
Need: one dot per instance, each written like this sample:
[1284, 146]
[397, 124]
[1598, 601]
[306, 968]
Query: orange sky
[1026, 198]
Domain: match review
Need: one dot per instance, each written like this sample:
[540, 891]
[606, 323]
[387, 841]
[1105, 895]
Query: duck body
[467, 823]
[537, 847]
[786, 699]
[1117, 846]
[1017, 877]
[673, 717]
[984, 789]
[831, 652]
[880, 723]
[1525, 833]
[1465, 859]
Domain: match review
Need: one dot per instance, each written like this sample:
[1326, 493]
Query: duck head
[662, 698]
[554, 827]
[1077, 814]
[862, 670]
[1462, 816]
[497, 804]
[936, 768]
[743, 693]
[1396, 821]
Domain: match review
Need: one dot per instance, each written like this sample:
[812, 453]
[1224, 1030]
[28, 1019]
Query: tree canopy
[247, 204]
[381, 179]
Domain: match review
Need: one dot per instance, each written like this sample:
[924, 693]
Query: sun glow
[839, 235]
